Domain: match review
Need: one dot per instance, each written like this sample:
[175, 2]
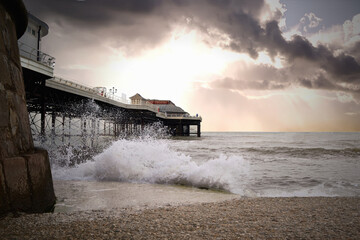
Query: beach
[245, 218]
[221, 186]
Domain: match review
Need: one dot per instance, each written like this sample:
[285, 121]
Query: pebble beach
[245, 218]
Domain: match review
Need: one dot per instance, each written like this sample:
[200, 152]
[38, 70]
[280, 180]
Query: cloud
[344, 67]
[92, 11]
[309, 21]
[352, 28]
[138, 24]
[239, 26]
[265, 77]
[132, 25]
[294, 110]
[306, 65]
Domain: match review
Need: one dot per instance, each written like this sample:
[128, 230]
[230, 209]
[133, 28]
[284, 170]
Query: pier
[55, 104]
[66, 112]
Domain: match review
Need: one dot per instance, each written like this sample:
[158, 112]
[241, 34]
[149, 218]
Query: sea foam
[149, 160]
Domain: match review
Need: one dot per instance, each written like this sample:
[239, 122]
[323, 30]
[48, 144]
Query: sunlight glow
[178, 63]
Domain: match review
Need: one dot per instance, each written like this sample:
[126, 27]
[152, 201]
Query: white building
[31, 56]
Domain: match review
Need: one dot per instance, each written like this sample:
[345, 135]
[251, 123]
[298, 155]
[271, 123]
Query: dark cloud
[145, 22]
[91, 11]
[138, 24]
[248, 34]
[299, 53]
[265, 77]
[107, 12]
[319, 82]
[343, 67]
[132, 25]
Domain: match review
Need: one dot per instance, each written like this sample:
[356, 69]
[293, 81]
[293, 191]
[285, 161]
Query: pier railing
[89, 90]
[36, 55]
[173, 115]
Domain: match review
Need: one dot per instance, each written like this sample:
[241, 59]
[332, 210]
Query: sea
[152, 170]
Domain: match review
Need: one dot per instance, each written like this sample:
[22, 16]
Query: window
[33, 32]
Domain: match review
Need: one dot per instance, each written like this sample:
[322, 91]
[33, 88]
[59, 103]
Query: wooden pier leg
[63, 129]
[53, 119]
[98, 130]
[42, 110]
[181, 129]
[84, 132]
[198, 130]
[93, 125]
[69, 129]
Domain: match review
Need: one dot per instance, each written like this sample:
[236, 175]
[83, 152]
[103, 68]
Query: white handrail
[36, 55]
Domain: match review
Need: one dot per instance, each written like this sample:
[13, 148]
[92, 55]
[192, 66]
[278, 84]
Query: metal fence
[36, 55]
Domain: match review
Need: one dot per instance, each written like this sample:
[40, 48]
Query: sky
[243, 65]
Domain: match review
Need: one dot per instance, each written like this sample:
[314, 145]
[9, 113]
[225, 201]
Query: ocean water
[244, 164]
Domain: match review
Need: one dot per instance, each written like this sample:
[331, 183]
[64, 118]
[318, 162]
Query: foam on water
[153, 161]
[255, 170]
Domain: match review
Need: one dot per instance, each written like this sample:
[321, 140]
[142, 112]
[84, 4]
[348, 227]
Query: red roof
[159, 102]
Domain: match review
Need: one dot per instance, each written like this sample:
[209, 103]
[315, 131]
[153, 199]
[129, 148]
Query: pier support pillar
[180, 129]
[53, 123]
[198, 130]
[63, 129]
[42, 112]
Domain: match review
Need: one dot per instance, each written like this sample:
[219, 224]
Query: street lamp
[113, 91]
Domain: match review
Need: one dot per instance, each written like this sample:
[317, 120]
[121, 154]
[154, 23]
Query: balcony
[35, 60]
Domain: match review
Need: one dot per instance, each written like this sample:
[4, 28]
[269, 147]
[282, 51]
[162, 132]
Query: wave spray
[150, 160]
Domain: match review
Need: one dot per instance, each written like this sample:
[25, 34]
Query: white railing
[73, 84]
[36, 55]
[90, 90]
[179, 115]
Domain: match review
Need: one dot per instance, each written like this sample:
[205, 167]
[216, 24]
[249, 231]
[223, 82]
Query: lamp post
[113, 91]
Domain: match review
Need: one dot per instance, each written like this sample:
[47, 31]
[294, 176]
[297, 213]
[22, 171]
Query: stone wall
[25, 176]
[15, 136]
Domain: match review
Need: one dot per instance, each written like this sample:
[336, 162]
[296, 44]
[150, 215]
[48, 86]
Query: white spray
[153, 161]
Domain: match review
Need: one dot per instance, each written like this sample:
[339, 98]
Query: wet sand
[93, 195]
[256, 218]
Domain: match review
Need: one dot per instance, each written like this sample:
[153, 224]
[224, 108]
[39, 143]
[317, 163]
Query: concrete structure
[25, 175]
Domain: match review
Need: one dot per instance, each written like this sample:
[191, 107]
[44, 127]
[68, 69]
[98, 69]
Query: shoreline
[105, 195]
[292, 217]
